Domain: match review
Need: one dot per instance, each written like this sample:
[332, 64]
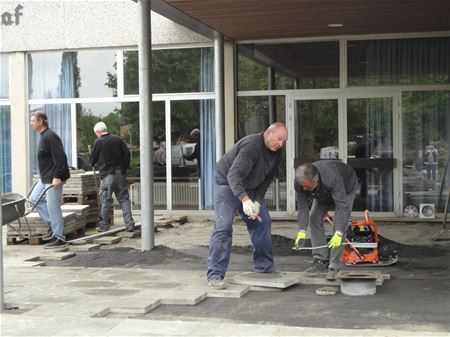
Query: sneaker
[318, 266]
[217, 284]
[129, 228]
[331, 274]
[102, 229]
[48, 236]
[55, 244]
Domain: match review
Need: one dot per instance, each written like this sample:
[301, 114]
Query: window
[426, 146]
[5, 125]
[399, 61]
[288, 66]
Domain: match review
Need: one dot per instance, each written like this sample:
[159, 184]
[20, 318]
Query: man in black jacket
[113, 158]
[242, 177]
[327, 184]
[54, 171]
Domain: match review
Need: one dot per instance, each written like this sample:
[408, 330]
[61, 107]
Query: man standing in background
[113, 158]
[53, 171]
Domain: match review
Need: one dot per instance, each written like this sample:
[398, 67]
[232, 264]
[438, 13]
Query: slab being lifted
[270, 280]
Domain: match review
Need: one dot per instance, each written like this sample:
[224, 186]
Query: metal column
[220, 100]
[2, 302]
[146, 125]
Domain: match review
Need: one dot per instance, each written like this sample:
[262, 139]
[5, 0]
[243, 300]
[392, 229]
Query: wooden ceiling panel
[270, 19]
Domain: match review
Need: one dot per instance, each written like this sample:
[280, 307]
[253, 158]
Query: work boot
[318, 266]
[331, 274]
[55, 244]
[101, 229]
[217, 284]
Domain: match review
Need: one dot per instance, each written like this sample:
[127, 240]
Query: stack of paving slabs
[82, 212]
[36, 226]
[80, 183]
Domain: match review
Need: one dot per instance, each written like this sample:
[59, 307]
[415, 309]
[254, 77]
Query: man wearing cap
[53, 171]
[113, 158]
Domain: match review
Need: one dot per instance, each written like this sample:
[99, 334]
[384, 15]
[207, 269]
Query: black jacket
[52, 160]
[111, 153]
[249, 165]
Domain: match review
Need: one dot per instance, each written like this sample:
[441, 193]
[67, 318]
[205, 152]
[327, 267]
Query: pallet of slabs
[34, 226]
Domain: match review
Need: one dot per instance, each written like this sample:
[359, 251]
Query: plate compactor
[363, 246]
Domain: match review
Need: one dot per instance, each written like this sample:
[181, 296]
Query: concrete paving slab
[232, 291]
[182, 297]
[274, 280]
[130, 235]
[85, 248]
[110, 292]
[133, 306]
[152, 285]
[133, 327]
[66, 309]
[92, 284]
[258, 288]
[107, 240]
[56, 256]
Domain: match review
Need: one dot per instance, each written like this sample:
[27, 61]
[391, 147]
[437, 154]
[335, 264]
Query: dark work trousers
[318, 238]
[225, 206]
[117, 184]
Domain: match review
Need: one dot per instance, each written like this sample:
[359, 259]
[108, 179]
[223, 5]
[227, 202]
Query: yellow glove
[335, 241]
[300, 239]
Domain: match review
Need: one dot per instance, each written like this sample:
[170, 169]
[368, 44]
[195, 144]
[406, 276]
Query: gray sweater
[249, 165]
[337, 181]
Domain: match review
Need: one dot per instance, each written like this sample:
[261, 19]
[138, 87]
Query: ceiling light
[335, 25]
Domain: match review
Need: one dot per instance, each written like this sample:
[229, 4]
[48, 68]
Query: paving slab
[85, 247]
[107, 240]
[56, 256]
[133, 305]
[232, 291]
[180, 297]
[274, 280]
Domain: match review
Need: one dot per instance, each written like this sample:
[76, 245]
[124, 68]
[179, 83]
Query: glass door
[370, 152]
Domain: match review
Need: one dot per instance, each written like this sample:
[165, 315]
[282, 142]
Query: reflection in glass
[5, 148]
[399, 61]
[369, 125]
[316, 125]
[426, 146]
[72, 74]
[288, 66]
[59, 120]
[4, 76]
[97, 73]
[174, 70]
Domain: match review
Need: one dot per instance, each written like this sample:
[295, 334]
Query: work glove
[335, 241]
[300, 239]
[256, 208]
[248, 207]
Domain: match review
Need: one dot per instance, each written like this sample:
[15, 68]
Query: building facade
[380, 102]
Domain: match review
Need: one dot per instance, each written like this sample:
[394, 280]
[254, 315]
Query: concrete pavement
[60, 300]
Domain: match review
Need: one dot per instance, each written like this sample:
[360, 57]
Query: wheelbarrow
[14, 208]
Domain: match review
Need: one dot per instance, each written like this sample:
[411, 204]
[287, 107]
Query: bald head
[275, 136]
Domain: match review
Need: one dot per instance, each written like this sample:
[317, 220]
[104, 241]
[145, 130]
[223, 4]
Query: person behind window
[195, 136]
[431, 156]
[160, 155]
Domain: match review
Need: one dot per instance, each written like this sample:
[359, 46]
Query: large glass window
[399, 61]
[288, 66]
[4, 77]
[426, 146]
[5, 147]
[72, 74]
[174, 70]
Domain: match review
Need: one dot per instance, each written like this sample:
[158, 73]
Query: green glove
[335, 241]
[300, 239]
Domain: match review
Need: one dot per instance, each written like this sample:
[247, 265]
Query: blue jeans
[117, 184]
[225, 206]
[49, 207]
